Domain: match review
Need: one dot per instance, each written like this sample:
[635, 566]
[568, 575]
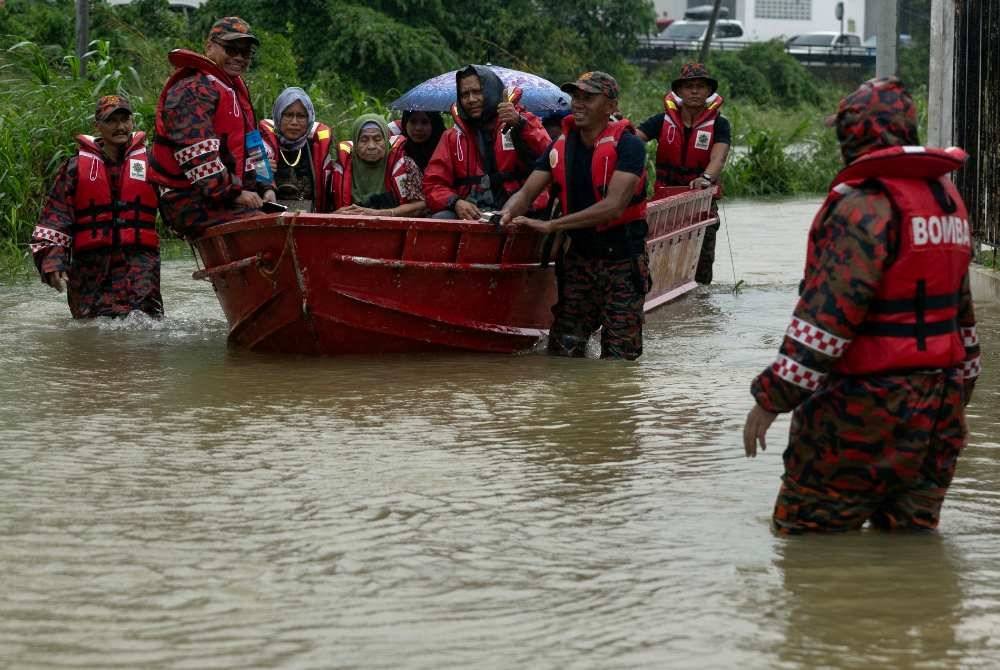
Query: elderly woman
[375, 177]
[422, 131]
[299, 149]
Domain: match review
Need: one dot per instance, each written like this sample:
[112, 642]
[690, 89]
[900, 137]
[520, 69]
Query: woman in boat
[299, 149]
[374, 176]
[422, 131]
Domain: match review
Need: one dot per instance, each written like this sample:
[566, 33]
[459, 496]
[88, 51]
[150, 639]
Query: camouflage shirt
[855, 245]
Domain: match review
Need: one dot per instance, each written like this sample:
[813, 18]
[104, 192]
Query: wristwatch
[710, 178]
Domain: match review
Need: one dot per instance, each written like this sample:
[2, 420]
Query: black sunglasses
[233, 52]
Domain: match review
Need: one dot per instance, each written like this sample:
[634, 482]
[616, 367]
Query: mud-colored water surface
[167, 502]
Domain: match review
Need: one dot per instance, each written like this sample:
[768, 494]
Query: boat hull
[328, 284]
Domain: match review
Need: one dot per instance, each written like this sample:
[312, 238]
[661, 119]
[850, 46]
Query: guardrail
[655, 49]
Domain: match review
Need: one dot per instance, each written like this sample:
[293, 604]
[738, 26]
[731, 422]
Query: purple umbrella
[538, 95]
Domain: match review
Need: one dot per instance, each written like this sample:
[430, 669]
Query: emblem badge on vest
[702, 139]
[508, 141]
[553, 159]
[137, 169]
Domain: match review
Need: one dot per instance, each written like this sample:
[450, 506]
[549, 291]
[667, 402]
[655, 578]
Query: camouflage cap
[879, 114]
[109, 104]
[594, 82]
[230, 28]
[694, 71]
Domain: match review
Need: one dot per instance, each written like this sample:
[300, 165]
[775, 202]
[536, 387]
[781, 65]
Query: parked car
[822, 41]
[691, 34]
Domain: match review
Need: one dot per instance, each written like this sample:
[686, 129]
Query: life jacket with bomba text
[912, 322]
[680, 156]
[602, 167]
[395, 172]
[320, 139]
[113, 215]
[232, 120]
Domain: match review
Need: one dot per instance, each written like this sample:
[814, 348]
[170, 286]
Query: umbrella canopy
[538, 95]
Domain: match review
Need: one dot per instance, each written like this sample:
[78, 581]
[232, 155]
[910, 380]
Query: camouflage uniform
[883, 447]
[603, 277]
[186, 120]
[600, 293]
[102, 282]
[189, 107]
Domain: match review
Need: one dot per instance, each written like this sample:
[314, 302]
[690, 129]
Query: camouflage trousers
[881, 449]
[598, 293]
[115, 282]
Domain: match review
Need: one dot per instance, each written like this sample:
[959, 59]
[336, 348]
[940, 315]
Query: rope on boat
[268, 274]
[737, 284]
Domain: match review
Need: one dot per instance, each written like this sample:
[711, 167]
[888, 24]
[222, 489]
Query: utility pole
[711, 29]
[941, 84]
[82, 33]
[885, 51]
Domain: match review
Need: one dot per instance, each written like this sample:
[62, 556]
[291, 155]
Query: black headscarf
[421, 153]
[492, 91]
[482, 127]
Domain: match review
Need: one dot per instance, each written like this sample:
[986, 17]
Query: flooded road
[166, 502]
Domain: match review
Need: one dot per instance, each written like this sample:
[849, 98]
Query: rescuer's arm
[971, 366]
[519, 203]
[188, 112]
[853, 247]
[620, 192]
[52, 238]
[650, 128]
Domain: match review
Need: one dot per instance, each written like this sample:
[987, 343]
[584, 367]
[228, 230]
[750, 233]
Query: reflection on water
[168, 502]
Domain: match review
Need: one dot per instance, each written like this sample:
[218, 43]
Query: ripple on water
[170, 502]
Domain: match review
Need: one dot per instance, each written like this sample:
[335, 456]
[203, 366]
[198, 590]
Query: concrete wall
[985, 284]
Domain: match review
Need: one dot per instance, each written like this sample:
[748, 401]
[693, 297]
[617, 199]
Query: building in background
[770, 19]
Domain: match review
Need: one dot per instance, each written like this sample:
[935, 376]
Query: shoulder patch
[323, 134]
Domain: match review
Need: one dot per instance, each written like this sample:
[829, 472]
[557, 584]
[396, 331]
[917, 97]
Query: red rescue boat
[332, 284]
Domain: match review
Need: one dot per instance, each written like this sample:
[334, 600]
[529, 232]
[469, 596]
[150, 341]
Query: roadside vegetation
[356, 56]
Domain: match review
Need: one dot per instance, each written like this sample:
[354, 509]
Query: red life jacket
[320, 139]
[109, 215]
[468, 170]
[677, 161]
[395, 171]
[602, 166]
[232, 120]
[912, 322]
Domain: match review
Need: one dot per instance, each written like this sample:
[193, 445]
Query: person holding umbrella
[598, 169]
[488, 153]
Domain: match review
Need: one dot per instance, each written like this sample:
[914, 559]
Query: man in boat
[208, 156]
[489, 152]
[96, 237]
[693, 141]
[598, 169]
[881, 355]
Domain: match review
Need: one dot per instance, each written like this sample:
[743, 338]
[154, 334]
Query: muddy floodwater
[167, 502]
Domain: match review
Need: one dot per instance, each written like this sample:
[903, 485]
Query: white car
[821, 42]
[691, 34]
